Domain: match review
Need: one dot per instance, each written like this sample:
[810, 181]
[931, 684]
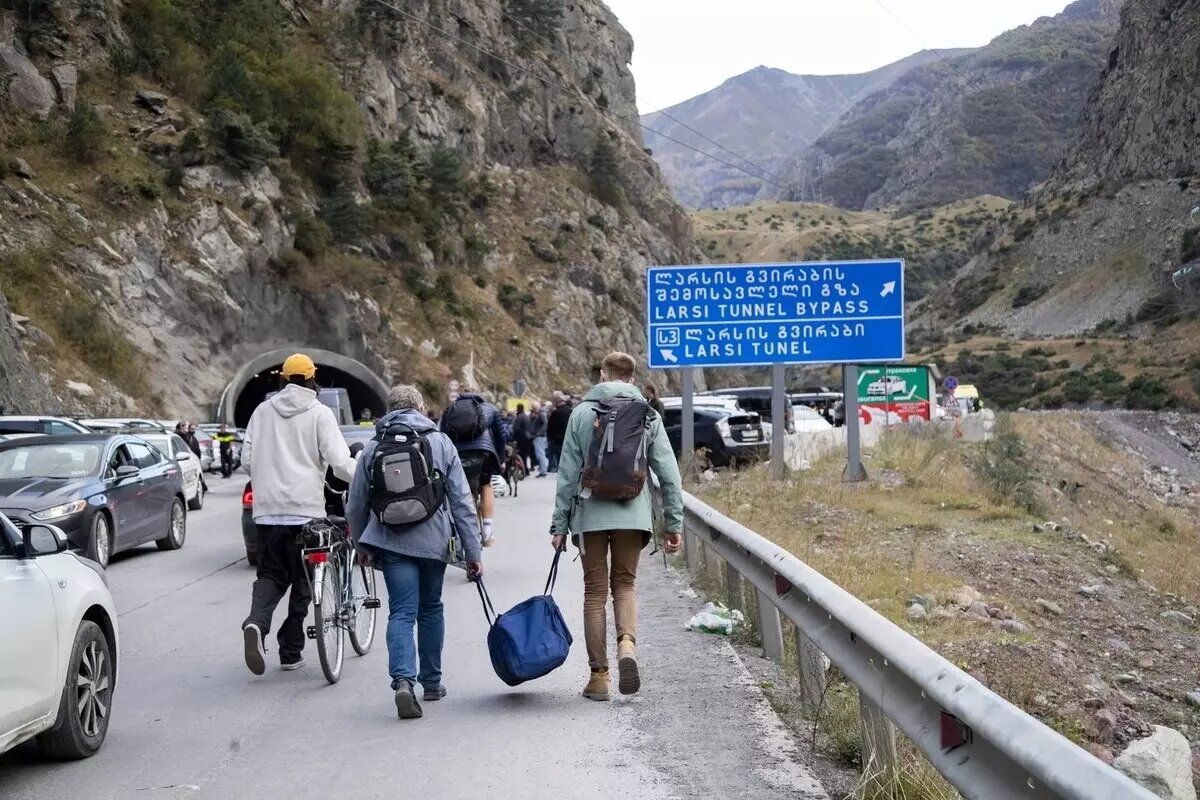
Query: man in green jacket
[622, 529]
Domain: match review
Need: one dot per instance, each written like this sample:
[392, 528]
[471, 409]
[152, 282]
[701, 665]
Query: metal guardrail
[986, 747]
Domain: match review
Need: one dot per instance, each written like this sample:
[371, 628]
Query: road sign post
[855, 471]
[778, 421]
[687, 448]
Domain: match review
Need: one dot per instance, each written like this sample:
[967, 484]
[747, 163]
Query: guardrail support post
[811, 663]
[733, 587]
[878, 745]
[691, 549]
[770, 628]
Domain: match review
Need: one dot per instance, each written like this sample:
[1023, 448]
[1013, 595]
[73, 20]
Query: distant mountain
[766, 115]
[994, 121]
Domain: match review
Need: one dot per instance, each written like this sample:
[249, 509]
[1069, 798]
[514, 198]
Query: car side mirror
[182, 456]
[127, 471]
[43, 540]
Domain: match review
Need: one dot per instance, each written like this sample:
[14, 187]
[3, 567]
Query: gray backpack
[615, 466]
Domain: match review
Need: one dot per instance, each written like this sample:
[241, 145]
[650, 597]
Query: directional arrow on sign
[669, 355]
[888, 288]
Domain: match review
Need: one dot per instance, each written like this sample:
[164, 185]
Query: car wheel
[100, 541]
[252, 558]
[86, 704]
[197, 502]
[178, 530]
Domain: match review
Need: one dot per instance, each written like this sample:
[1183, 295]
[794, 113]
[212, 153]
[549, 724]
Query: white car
[176, 449]
[808, 420]
[887, 385]
[58, 665]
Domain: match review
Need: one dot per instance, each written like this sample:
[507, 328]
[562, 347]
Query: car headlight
[64, 510]
[723, 428]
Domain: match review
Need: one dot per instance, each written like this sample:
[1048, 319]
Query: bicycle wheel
[331, 643]
[362, 620]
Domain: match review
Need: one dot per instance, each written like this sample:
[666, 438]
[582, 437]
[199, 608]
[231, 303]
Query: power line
[578, 92]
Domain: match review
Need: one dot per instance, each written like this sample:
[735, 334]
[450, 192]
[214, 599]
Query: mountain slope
[186, 184]
[764, 115]
[994, 121]
[1096, 246]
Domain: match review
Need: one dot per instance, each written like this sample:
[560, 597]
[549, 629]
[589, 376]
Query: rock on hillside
[459, 195]
[21, 388]
[994, 121]
[764, 115]
[1097, 245]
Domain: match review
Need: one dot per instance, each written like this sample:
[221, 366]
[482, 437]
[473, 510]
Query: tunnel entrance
[260, 376]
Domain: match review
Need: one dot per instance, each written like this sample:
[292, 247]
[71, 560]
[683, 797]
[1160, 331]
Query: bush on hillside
[239, 142]
[86, 135]
[604, 175]
[313, 236]
[1004, 468]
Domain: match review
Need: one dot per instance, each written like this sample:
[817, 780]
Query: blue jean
[539, 452]
[414, 595]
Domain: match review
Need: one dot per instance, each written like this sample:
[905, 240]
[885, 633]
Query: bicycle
[344, 598]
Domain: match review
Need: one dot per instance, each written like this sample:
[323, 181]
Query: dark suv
[728, 436]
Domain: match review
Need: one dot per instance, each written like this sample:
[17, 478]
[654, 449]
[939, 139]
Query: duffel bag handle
[552, 578]
[489, 610]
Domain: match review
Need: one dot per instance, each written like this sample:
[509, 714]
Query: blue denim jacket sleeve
[358, 504]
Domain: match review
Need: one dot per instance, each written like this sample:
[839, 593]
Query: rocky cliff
[453, 190]
[992, 122]
[765, 115]
[1097, 247]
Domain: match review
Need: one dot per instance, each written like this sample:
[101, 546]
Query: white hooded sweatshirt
[290, 442]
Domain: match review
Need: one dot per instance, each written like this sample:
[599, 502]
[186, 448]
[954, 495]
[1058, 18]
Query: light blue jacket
[431, 538]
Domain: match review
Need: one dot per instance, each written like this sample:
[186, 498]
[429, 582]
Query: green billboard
[900, 393]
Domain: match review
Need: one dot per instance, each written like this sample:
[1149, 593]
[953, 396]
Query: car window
[179, 446]
[60, 429]
[61, 461]
[672, 417]
[23, 426]
[142, 455]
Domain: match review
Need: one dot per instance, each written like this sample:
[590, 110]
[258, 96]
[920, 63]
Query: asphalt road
[190, 721]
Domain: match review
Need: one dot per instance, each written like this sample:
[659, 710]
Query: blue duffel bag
[531, 639]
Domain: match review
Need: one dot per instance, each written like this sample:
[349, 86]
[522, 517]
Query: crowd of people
[420, 498]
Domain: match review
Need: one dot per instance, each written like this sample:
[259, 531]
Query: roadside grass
[895, 536]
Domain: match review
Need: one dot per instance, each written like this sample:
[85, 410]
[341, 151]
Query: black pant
[281, 567]
[226, 463]
[525, 448]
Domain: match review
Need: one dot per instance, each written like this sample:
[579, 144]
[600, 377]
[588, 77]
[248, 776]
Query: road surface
[190, 721]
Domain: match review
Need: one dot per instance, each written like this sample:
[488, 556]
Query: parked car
[58, 666]
[728, 436]
[123, 424]
[756, 399]
[39, 426]
[810, 421]
[175, 448]
[108, 492]
[356, 436]
[209, 462]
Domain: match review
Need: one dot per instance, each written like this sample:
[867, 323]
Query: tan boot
[630, 680]
[597, 686]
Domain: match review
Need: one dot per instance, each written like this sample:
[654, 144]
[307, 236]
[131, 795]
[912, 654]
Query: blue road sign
[950, 384]
[845, 312]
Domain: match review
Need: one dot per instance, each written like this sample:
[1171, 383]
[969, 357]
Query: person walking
[189, 438]
[225, 440]
[413, 557]
[473, 425]
[520, 433]
[651, 394]
[537, 433]
[556, 429]
[611, 533]
[291, 441]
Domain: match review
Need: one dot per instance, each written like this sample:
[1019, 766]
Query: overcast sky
[686, 47]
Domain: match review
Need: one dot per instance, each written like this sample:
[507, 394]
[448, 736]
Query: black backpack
[406, 488]
[464, 420]
[615, 466]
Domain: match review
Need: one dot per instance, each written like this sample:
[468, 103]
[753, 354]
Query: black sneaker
[256, 658]
[434, 693]
[407, 706]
